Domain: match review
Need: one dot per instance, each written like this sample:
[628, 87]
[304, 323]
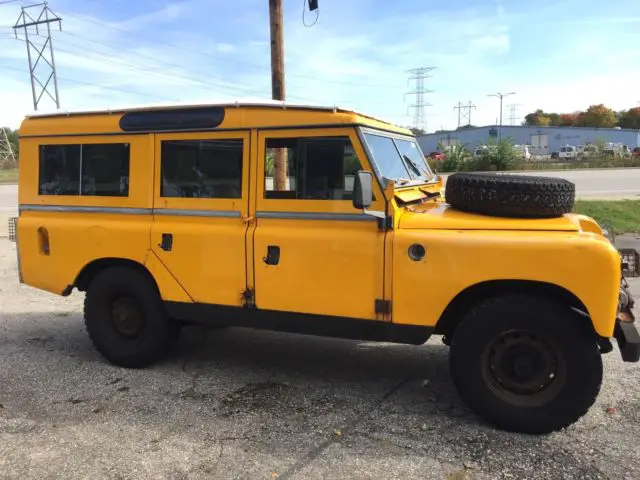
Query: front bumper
[625, 331]
[628, 340]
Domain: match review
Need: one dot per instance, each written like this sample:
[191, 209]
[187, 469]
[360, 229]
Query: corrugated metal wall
[543, 140]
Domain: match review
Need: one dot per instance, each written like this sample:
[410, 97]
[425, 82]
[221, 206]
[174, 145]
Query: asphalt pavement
[242, 404]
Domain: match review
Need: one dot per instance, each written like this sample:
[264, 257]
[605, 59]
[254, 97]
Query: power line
[208, 55]
[106, 87]
[419, 75]
[155, 71]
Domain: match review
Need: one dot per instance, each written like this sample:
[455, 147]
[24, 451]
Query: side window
[87, 170]
[201, 168]
[318, 168]
[105, 170]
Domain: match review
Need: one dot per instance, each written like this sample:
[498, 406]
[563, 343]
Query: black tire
[505, 338]
[506, 195]
[126, 319]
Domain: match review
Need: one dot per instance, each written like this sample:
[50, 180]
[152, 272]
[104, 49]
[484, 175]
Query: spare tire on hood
[506, 195]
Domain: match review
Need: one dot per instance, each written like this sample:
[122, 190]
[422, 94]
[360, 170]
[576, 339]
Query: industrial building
[541, 140]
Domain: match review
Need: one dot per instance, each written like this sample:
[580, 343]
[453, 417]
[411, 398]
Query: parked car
[437, 155]
[568, 152]
[636, 152]
[555, 154]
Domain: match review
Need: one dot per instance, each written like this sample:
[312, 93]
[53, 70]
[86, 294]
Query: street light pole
[501, 96]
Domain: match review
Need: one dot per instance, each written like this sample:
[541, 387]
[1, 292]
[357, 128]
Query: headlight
[609, 234]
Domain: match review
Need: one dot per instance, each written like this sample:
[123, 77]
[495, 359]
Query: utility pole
[278, 86]
[464, 113]
[40, 78]
[419, 75]
[7, 156]
[501, 96]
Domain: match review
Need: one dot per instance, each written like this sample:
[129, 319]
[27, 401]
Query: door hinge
[385, 223]
[383, 306]
[248, 298]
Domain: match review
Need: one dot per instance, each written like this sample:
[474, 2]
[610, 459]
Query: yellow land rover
[321, 221]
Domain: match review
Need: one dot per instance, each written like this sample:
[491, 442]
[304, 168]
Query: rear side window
[86, 170]
[202, 168]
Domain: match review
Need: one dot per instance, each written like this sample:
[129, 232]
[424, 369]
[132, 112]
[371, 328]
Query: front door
[200, 208]
[313, 252]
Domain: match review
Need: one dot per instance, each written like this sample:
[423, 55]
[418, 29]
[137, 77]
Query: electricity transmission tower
[42, 64]
[419, 75]
[6, 150]
[513, 116]
[464, 113]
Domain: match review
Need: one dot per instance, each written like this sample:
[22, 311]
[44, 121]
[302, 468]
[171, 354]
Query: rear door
[201, 200]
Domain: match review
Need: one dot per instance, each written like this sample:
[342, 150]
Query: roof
[106, 120]
[175, 105]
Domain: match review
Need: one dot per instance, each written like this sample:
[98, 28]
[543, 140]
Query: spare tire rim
[127, 316]
[523, 368]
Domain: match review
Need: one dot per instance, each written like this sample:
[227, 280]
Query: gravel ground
[236, 403]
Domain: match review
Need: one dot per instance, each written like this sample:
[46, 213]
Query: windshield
[399, 159]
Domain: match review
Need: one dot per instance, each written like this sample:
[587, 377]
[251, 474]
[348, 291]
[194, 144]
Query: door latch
[273, 255]
[167, 242]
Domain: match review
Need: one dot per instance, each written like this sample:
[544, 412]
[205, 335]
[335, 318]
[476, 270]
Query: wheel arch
[464, 301]
[91, 269]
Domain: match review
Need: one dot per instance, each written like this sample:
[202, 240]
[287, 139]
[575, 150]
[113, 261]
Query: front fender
[583, 263]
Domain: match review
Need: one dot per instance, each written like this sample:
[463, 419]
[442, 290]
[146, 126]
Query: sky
[558, 55]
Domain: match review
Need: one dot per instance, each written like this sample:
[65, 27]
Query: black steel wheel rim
[524, 368]
[127, 316]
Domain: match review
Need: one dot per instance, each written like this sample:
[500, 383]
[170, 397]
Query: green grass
[621, 216]
[9, 176]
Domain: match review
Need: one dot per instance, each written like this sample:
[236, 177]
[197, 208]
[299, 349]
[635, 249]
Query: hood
[440, 216]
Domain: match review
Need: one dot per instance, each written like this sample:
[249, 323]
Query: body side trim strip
[179, 212]
[130, 211]
[85, 209]
[315, 216]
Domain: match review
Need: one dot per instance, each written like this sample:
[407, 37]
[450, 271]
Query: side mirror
[363, 190]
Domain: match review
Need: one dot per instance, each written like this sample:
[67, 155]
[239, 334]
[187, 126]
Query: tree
[465, 127]
[597, 116]
[538, 118]
[630, 119]
[417, 131]
[569, 119]
[554, 119]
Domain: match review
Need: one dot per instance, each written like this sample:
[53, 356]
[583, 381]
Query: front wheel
[526, 364]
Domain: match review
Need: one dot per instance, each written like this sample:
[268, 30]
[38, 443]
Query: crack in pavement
[317, 451]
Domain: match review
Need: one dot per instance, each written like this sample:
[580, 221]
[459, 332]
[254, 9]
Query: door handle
[167, 242]
[273, 255]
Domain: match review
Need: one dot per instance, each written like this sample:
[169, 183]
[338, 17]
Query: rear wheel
[126, 320]
[526, 364]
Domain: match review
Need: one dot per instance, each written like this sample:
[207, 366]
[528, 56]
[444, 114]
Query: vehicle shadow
[240, 370]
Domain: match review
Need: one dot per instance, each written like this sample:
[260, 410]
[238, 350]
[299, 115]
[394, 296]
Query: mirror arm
[374, 213]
